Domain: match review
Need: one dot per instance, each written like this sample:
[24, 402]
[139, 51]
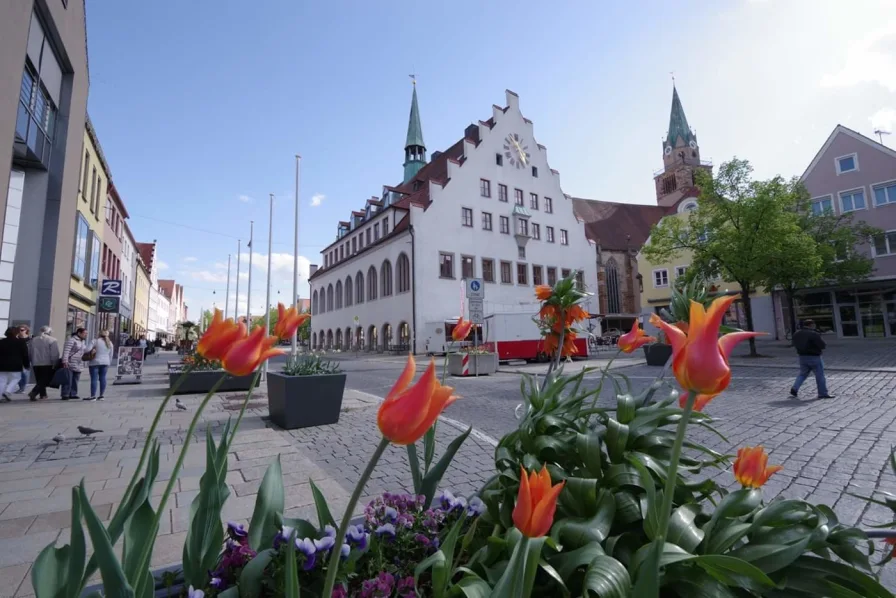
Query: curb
[594, 370]
[826, 368]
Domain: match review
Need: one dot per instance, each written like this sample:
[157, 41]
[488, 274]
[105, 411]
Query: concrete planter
[160, 590]
[202, 382]
[483, 364]
[657, 353]
[304, 401]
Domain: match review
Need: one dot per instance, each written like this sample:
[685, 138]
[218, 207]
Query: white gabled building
[488, 207]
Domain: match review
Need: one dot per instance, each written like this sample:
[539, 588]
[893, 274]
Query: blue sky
[200, 106]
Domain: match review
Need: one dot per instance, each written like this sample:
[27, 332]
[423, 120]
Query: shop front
[863, 311]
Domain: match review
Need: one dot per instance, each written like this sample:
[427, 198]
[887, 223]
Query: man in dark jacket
[13, 359]
[809, 346]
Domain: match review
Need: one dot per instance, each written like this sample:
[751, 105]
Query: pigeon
[58, 438]
[87, 431]
[180, 405]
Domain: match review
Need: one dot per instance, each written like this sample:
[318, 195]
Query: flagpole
[295, 259]
[236, 299]
[249, 287]
[267, 299]
[227, 292]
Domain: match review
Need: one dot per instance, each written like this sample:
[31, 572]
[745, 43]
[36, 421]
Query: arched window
[349, 292]
[371, 283]
[386, 275]
[339, 337]
[314, 340]
[315, 308]
[359, 288]
[613, 299]
[403, 274]
[330, 298]
[338, 294]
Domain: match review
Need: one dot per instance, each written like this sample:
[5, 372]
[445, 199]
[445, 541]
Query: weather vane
[413, 79]
[673, 77]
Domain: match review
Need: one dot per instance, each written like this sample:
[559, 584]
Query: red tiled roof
[147, 252]
[168, 287]
[615, 225]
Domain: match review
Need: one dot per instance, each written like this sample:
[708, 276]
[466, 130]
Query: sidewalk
[860, 355]
[574, 367]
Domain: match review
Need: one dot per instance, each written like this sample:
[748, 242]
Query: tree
[739, 226]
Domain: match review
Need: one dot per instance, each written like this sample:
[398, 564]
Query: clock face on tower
[515, 150]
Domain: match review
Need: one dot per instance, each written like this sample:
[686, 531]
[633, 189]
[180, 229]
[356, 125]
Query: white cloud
[245, 199]
[317, 199]
[869, 60]
[160, 265]
[190, 259]
[206, 276]
[220, 265]
[883, 120]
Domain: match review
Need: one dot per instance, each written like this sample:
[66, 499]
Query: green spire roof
[415, 129]
[678, 122]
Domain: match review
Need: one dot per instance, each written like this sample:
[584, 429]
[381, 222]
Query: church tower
[681, 158]
[414, 148]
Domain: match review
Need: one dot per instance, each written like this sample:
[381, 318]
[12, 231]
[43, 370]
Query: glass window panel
[880, 196]
[880, 245]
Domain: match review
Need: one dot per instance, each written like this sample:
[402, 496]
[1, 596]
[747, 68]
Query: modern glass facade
[866, 311]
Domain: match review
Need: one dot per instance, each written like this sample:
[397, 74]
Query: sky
[201, 106]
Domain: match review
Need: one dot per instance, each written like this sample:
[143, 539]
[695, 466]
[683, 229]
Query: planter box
[160, 590]
[657, 353]
[484, 364]
[202, 382]
[304, 401]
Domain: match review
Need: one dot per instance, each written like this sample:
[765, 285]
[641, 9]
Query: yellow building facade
[141, 300]
[93, 186]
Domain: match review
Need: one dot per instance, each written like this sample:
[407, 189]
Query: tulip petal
[729, 341]
[522, 512]
[400, 417]
[543, 513]
[676, 337]
[404, 380]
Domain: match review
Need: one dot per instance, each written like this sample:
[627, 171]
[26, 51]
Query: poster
[130, 362]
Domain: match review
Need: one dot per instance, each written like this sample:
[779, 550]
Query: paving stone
[12, 528]
[36, 494]
[24, 549]
[14, 576]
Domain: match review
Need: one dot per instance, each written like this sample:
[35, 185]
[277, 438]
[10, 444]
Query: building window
[851, 201]
[680, 271]
[82, 234]
[565, 272]
[506, 273]
[885, 244]
[552, 275]
[376, 231]
[488, 270]
[521, 252]
[669, 184]
[535, 171]
[580, 280]
[847, 163]
[502, 193]
[522, 227]
[354, 244]
[359, 288]
[349, 292]
[466, 216]
[885, 194]
[537, 275]
[505, 225]
[446, 265]
[368, 236]
[564, 238]
[385, 227]
[467, 270]
[485, 188]
[339, 294]
[386, 276]
[522, 274]
[822, 205]
[549, 232]
[92, 190]
[486, 221]
[86, 173]
[533, 201]
[548, 205]
[613, 302]
[371, 284]
[518, 196]
[404, 273]
[660, 278]
[94, 261]
[536, 231]
[499, 159]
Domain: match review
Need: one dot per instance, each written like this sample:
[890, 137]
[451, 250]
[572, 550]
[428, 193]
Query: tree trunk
[790, 294]
[748, 312]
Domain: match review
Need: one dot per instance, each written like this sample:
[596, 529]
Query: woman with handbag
[44, 361]
[100, 355]
[72, 354]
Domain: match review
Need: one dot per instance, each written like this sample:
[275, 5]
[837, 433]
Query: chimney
[311, 270]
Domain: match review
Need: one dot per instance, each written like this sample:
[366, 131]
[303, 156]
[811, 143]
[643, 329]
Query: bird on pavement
[87, 431]
[179, 405]
[58, 438]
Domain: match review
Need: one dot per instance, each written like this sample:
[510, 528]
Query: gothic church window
[613, 299]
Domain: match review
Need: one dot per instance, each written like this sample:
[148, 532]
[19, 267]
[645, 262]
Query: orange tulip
[630, 341]
[536, 502]
[409, 411]
[751, 467]
[219, 337]
[247, 354]
[461, 329]
[288, 321]
[700, 357]
[701, 401]
[891, 542]
[543, 292]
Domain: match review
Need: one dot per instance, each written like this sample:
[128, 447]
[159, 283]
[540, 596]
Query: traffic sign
[477, 310]
[110, 288]
[475, 289]
[109, 305]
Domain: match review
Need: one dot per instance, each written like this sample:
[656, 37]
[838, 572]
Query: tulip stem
[333, 563]
[674, 458]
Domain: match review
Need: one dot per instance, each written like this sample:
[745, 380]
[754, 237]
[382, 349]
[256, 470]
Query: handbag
[89, 355]
[60, 378]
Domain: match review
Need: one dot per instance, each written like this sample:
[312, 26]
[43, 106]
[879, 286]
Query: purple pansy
[282, 536]
[329, 530]
[344, 551]
[476, 507]
[357, 536]
[325, 543]
[386, 529]
[191, 593]
[217, 583]
[237, 531]
[391, 514]
[339, 592]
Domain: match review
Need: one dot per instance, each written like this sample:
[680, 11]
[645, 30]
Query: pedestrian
[13, 359]
[809, 346]
[25, 336]
[44, 361]
[72, 361]
[99, 365]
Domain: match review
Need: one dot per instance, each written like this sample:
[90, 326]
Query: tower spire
[414, 148]
[678, 122]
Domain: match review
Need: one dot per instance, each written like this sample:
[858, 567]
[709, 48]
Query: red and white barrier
[466, 365]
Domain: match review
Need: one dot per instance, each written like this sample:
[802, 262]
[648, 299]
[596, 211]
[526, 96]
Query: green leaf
[433, 476]
[588, 447]
[695, 583]
[725, 537]
[669, 554]
[519, 574]
[810, 567]
[414, 463]
[231, 592]
[625, 408]
[436, 559]
[734, 572]
[579, 496]
[253, 573]
[782, 513]
[651, 511]
[617, 439]
[290, 573]
[579, 531]
[78, 554]
[114, 582]
[628, 508]
[471, 587]
[303, 527]
[268, 507]
[137, 532]
[205, 534]
[568, 561]
[770, 557]
[682, 529]
[324, 516]
[429, 446]
[736, 504]
[607, 578]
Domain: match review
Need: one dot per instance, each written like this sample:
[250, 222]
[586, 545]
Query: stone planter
[483, 364]
[657, 353]
[202, 382]
[160, 590]
[304, 401]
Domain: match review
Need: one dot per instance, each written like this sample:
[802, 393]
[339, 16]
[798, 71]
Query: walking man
[44, 360]
[809, 346]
